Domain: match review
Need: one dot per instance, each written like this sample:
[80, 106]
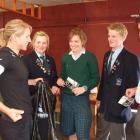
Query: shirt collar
[83, 51]
[118, 50]
[39, 55]
[75, 57]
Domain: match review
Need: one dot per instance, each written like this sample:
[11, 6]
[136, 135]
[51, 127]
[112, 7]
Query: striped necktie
[109, 62]
[43, 58]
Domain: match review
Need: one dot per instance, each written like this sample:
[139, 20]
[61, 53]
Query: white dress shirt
[115, 55]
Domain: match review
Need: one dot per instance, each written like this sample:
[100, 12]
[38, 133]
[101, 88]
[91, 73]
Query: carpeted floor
[128, 130]
[59, 134]
[61, 137]
[129, 133]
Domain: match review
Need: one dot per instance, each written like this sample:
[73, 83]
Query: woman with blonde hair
[42, 65]
[14, 123]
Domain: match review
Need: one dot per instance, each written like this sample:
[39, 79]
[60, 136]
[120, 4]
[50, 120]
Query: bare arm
[55, 90]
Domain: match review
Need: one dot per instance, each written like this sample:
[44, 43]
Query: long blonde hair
[15, 26]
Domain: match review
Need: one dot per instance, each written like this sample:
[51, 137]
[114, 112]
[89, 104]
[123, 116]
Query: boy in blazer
[119, 78]
[136, 124]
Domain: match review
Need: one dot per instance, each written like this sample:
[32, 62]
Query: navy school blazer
[113, 85]
[32, 61]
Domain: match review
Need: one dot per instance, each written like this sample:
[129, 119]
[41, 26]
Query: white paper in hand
[126, 101]
[70, 83]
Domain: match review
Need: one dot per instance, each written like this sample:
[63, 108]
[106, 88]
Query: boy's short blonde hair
[119, 27]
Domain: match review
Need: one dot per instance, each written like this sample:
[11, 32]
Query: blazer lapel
[39, 64]
[106, 62]
[34, 56]
[36, 60]
[117, 62]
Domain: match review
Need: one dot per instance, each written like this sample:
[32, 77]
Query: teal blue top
[84, 70]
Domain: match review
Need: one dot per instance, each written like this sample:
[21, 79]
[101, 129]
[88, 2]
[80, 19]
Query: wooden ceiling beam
[25, 6]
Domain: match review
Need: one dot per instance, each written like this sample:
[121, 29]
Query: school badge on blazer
[115, 66]
[118, 81]
[42, 67]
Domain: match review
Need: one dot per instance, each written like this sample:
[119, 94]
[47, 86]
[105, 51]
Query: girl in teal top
[79, 75]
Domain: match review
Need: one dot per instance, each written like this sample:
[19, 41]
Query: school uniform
[47, 71]
[136, 124]
[75, 117]
[123, 75]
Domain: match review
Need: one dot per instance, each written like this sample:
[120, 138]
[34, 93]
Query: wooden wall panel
[94, 17]
[1, 20]
[111, 10]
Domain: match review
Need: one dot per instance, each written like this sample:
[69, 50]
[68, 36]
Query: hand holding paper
[126, 101]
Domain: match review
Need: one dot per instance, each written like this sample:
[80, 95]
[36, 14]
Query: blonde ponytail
[2, 40]
[15, 26]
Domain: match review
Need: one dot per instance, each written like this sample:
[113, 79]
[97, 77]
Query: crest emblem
[42, 67]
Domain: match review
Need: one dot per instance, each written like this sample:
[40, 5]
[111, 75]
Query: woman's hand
[98, 103]
[15, 114]
[55, 90]
[78, 91]
[33, 82]
[60, 82]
